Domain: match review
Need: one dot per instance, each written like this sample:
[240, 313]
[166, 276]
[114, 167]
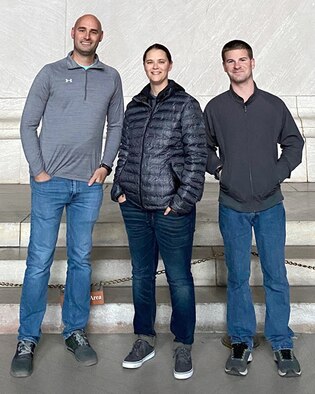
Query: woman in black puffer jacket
[158, 180]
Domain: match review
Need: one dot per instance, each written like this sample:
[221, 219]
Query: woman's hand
[121, 198]
[167, 211]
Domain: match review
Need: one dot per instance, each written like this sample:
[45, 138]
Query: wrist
[109, 170]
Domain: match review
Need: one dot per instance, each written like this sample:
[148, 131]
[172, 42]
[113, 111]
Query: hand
[42, 177]
[217, 173]
[99, 176]
[121, 198]
[167, 211]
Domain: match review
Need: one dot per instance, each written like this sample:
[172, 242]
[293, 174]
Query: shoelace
[286, 354]
[238, 350]
[182, 352]
[81, 338]
[24, 348]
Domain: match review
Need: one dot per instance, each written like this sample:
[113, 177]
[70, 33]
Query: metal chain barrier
[118, 281]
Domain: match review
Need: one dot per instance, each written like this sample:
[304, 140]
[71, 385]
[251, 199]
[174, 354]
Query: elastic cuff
[217, 172]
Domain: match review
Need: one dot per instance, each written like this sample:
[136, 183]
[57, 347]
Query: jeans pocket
[41, 182]
[121, 204]
[97, 184]
[174, 213]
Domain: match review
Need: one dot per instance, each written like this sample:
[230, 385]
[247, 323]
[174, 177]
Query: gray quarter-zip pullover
[72, 104]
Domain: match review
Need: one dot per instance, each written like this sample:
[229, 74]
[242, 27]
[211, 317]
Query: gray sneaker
[288, 365]
[237, 362]
[183, 368]
[22, 363]
[78, 344]
[141, 351]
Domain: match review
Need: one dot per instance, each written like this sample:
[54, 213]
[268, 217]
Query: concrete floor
[56, 371]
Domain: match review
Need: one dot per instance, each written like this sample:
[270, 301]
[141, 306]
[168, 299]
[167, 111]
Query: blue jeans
[269, 228]
[82, 205]
[150, 232]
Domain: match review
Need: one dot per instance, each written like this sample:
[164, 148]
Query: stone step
[111, 263]
[108, 263]
[110, 231]
[116, 315]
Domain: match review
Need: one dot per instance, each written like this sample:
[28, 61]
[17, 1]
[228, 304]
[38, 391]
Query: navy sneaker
[183, 368]
[141, 351]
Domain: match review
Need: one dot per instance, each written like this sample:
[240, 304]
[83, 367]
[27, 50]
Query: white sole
[236, 372]
[289, 373]
[137, 364]
[183, 375]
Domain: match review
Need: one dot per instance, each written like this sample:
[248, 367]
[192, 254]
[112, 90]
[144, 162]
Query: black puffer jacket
[163, 155]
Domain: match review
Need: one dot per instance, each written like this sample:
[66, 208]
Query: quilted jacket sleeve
[195, 158]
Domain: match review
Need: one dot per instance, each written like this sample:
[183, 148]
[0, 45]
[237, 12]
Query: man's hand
[99, 176]
[121, 198]
[42, 177]
[218, 172]
[167, 211]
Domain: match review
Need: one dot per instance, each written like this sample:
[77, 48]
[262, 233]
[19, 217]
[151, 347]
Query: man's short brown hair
[236, 44]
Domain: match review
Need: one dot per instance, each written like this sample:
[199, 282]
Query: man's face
[86, 34]
[238, 65]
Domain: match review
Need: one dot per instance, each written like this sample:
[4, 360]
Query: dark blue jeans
[269, 228]
[150, 232]
[82, 204]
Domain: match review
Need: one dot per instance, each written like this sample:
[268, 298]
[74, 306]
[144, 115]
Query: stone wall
[281, 33]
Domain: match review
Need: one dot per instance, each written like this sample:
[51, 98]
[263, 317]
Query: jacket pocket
[266, 182]
[176, 171]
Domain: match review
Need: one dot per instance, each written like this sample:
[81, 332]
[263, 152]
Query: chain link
[118, 281]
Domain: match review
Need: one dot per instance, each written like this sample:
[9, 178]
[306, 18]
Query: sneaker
[288, 365]
[78, 344]
[141, 351]
[237, 362]
[22, 363]
[183, 365]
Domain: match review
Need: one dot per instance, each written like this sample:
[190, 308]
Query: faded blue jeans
[150, 232]
[82, 204]
[269, 228]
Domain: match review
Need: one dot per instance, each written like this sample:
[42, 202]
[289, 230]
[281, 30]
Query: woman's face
[157, 67]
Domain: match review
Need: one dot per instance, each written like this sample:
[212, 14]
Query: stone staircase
[111, 260]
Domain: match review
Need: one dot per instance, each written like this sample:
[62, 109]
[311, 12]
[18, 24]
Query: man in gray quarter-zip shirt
[247, 125]
[72, 98]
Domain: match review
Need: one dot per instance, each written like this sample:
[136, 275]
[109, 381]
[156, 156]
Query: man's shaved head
[88, 17]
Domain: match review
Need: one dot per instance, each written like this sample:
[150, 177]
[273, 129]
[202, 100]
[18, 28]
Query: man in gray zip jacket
[247, 124]
[72, 98]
